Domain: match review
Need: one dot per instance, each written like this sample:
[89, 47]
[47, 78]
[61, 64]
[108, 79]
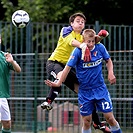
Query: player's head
[87, 33]
[78, 14]
[77, 21]
[89, 37]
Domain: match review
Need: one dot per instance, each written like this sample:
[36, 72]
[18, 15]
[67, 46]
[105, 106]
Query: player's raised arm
[101, 35]
[58, 82]
[10, 59]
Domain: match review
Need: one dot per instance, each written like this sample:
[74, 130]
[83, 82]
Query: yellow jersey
[64, 47]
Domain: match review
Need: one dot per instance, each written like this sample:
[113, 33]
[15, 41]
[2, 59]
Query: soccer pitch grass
[93, 131]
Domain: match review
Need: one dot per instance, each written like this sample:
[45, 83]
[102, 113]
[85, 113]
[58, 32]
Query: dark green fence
[31, 47]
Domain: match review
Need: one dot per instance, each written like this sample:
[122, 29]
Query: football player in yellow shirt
[70, 37]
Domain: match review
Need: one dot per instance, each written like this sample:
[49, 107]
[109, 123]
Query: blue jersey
[89, 74]
[92, 88]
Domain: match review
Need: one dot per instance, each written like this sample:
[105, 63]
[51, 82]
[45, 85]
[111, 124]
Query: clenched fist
[103, 33]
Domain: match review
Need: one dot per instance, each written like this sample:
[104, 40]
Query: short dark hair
[72, 17]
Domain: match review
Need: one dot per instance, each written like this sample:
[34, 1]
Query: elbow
[18, 70]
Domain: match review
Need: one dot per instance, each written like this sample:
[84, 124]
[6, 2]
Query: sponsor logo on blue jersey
[92, 64]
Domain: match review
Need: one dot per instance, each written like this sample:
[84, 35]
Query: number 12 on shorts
[105, 105]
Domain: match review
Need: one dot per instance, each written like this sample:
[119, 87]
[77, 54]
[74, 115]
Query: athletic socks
[86, 131]
[54, 91]
[116, 129]
[6, 131]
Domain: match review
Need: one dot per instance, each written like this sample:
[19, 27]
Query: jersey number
[105, 105]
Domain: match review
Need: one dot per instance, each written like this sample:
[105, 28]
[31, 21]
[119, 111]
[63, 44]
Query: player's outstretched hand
[103, 34]
[51, 83]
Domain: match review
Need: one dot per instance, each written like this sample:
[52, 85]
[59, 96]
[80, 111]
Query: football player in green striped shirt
[7, 63]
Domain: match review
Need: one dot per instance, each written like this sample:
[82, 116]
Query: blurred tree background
[58, 11]
[42, 12]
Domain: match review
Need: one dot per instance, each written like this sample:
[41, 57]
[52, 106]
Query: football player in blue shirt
[70, 37]
[92, 88]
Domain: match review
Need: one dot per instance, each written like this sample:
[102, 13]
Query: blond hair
[88, 33]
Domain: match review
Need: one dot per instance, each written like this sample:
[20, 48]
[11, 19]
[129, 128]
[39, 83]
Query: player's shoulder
[77, 50]
[2, 53]
[66, 31]
[100, 45]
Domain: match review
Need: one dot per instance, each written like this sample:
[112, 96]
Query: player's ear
[71, 24]
[97, 39]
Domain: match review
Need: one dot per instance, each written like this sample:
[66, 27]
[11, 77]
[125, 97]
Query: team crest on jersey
[95, 53]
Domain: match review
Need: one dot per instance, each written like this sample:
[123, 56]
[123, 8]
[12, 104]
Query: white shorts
[4, 110]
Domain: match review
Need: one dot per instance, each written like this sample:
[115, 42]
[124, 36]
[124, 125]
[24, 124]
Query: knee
[111, 121]
[86, 123]
[76, 86]
[76, 90]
